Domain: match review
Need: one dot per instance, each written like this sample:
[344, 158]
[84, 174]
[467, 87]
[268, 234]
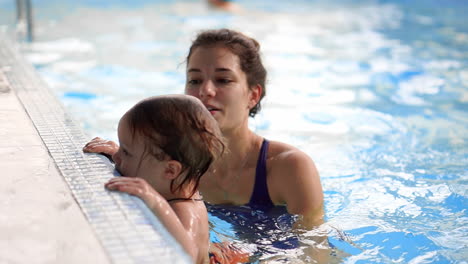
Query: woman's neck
[239, 144]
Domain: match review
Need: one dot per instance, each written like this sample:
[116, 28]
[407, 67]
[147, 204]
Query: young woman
[224, 70]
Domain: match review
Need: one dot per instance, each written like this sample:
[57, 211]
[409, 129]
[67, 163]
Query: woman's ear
[172, 169]
[255, 94]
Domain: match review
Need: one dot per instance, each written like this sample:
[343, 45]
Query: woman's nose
[207, 89]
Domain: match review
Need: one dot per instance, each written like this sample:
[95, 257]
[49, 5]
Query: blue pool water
[376, 92]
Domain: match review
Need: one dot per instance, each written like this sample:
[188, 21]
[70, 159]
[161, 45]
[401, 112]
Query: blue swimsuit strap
[260, 195]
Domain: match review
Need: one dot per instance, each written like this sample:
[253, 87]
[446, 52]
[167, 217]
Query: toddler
[166, 144]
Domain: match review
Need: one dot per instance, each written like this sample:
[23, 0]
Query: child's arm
[160, 207]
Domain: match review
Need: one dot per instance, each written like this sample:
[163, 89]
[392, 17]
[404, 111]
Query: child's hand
[135, 186]
[99, 145]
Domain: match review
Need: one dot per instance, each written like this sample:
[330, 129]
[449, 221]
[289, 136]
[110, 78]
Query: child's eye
[125, 152]
[194, 82]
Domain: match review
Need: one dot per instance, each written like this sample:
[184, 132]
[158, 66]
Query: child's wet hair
[245, 48]
[178, 127]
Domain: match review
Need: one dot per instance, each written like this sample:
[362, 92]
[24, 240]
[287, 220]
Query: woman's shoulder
[279, 152]
[284, 159]
[293, 178]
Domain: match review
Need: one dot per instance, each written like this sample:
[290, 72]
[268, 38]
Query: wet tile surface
[40, 146]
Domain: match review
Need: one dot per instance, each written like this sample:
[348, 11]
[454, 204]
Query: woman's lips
[212, 110]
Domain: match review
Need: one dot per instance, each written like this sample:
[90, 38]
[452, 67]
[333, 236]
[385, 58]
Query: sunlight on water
[374, 91]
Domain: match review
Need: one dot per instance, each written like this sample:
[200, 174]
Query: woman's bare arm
[295, 181]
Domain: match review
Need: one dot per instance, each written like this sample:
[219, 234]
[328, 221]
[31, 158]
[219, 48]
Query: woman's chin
[216, 115]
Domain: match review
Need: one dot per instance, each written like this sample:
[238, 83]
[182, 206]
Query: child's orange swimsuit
[227, 254]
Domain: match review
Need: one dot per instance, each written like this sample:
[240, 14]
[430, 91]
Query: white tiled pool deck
[53, 203]
[40, 220]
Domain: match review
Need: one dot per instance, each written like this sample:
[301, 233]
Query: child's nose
[116, 158]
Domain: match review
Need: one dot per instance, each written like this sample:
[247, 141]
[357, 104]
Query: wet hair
[247, 50]
[178, 127]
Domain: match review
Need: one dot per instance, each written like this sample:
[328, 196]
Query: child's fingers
[92, 145]
[95, 147]
[94, 140]
[90, 148]
[97, 144]
[134, 186]
[117, 180]
[126, 179]
[126, 188]
[131, 187]
[99, 147]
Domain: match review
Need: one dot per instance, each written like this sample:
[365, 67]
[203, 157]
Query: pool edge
[126, 229]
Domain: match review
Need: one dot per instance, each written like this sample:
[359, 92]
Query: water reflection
[270, 236]
[374, 91]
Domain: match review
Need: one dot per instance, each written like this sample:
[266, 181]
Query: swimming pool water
[376, 92]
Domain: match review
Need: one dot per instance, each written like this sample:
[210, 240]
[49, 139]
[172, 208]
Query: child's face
[133, 161]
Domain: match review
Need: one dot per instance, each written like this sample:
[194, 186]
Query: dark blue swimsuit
[260, 196]
[259, 222]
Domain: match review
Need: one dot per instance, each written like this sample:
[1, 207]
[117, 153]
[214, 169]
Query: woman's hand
[102, 146]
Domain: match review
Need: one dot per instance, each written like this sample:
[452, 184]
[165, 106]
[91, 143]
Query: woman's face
[215, 77]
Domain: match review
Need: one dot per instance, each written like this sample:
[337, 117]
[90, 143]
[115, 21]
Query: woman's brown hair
[245, 48]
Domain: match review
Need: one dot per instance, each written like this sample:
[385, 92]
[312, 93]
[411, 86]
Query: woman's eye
[224, 81]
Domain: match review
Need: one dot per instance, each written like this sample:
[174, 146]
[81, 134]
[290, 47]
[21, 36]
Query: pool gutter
[40, 146]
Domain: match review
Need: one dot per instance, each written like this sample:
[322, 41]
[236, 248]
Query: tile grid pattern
[126, 228]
